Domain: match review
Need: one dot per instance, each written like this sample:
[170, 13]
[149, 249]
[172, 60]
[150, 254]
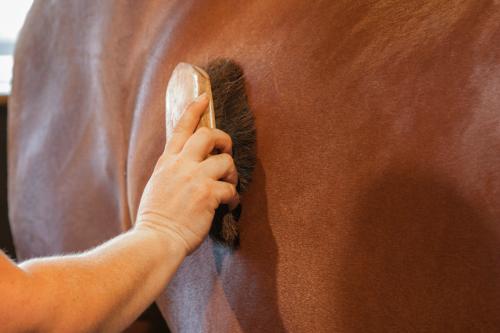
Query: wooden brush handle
[186, 83]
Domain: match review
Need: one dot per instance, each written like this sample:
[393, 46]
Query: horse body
[375, 201]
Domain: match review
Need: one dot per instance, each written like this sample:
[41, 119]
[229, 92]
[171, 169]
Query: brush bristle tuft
[233, 116]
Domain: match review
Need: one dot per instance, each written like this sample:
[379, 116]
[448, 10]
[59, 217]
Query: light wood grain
[186, 83]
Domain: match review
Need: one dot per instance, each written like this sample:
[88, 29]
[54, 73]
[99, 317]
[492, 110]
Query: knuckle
[227, 138]
[231, 190]
[176, 163]
[204, 191]
[227, 159]
[179, 168]
[204, 132]
[187, 177]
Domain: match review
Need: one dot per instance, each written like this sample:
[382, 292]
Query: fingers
[226, 194]
[204, 141]
[187, 124]
[221, 167]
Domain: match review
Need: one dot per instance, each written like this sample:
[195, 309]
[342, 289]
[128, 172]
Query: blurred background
[12, 15]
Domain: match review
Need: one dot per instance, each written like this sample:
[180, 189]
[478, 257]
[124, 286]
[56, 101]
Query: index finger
[187, 124]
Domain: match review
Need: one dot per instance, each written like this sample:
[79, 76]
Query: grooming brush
[186, 83]
[223, 82]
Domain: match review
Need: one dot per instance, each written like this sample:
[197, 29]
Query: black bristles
[233, 116]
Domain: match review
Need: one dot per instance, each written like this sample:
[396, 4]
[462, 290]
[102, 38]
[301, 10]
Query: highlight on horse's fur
[233, 116]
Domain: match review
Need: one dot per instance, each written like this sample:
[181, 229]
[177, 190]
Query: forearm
[106, 288]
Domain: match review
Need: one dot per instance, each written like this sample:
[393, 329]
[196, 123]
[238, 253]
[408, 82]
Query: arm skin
[107, 288]
[104, 289]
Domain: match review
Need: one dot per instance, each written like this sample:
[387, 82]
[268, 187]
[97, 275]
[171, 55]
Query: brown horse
[375, 204]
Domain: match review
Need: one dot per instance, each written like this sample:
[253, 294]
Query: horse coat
[375, 204]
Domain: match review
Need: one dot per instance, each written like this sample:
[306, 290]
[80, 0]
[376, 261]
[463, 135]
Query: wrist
[162, 237]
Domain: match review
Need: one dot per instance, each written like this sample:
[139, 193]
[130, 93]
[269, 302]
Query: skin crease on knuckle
[229, 168]
[227, 141]
[221, 140]
[231, 189]
[178, 165]
[227, 160]
[204, 133]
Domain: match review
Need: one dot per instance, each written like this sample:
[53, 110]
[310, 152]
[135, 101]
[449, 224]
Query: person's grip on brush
[186, 187]
[106, 288]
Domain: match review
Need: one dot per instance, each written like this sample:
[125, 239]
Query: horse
[375, 201]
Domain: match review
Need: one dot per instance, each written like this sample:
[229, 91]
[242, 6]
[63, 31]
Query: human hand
[188, 184]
